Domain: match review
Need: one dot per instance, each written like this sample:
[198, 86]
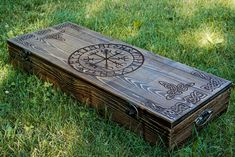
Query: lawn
[39, 120]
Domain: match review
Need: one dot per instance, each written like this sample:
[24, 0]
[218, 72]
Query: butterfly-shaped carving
[175, 89]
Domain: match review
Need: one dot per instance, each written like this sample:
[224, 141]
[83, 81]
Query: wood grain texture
[147, 93]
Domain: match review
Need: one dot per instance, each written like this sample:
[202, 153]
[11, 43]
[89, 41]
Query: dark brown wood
[147, 93]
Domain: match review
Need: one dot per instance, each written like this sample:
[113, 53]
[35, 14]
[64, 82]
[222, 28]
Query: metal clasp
[132, 111]
[204, 117]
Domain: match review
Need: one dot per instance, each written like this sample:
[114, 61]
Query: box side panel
[184, 130]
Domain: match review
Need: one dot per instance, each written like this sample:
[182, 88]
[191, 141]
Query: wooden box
[154, 96]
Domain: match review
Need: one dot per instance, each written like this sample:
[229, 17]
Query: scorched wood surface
[166, 90]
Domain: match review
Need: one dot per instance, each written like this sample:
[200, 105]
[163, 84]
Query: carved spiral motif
[106, 60]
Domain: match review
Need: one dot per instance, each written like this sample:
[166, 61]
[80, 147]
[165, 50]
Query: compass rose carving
[106, 60]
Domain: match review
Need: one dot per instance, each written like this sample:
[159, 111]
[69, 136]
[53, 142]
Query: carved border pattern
[43, 32]
[195, 97]
[26, 37]
[56, 36]
[154, 106]
[64, 25]
[21, 40]
[213, 82]
[176, 110]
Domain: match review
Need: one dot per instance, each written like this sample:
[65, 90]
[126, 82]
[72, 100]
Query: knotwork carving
[213, 82]
[175, 89]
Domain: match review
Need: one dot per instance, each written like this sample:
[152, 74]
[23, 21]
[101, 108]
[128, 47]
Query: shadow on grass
[36, 119]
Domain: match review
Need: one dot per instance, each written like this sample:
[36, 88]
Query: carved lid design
[164, 88]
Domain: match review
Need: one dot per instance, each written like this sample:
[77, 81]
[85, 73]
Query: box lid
[167, 89]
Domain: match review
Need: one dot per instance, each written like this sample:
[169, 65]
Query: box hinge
[204, 117]
[132, 111]
[25, 55]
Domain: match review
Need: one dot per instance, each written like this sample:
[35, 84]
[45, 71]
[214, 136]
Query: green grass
[38, 120]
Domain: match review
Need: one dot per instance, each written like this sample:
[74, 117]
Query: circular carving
[106, 60]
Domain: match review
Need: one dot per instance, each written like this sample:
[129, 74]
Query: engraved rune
[106, 59]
